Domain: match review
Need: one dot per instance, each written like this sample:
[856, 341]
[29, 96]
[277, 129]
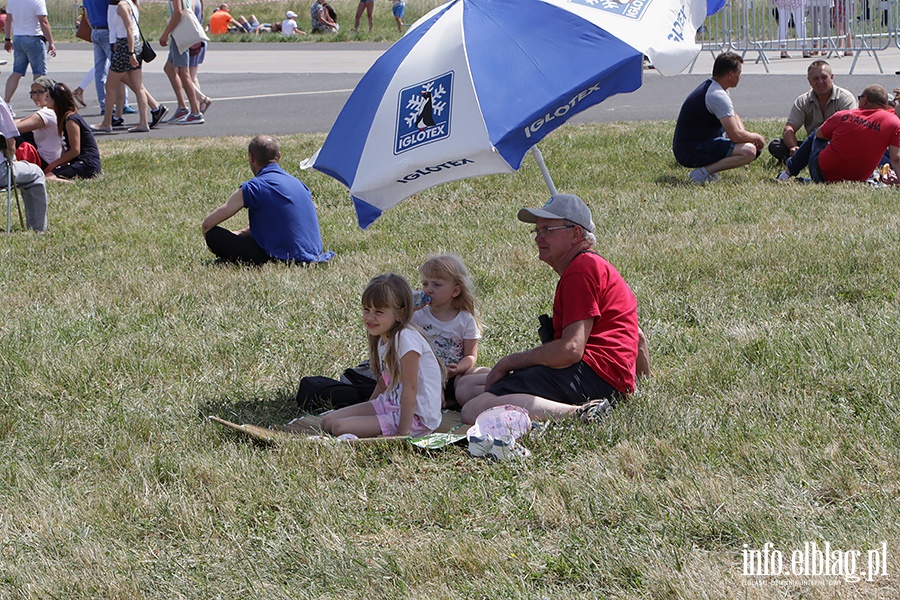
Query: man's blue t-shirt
[96, 10]
[283, 219]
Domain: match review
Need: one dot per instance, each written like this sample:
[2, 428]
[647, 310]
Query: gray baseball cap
[560, 206]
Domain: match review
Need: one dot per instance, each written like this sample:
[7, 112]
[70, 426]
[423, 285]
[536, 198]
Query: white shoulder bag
[188, 31]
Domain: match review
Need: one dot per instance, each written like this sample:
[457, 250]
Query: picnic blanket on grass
[308, 428]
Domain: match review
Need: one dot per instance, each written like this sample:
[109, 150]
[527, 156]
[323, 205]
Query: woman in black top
[80, 157]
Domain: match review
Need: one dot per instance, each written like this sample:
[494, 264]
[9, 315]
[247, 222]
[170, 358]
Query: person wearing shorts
[28, 34]
[709, 134]
[594, 354]
[398, 9]
[177, 69]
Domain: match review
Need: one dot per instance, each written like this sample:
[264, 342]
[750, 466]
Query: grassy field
[154, 15]
[772, 313]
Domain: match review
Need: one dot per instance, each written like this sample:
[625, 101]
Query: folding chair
[10, 186]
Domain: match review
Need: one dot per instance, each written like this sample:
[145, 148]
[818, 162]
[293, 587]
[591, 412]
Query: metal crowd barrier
[63, 13]
[827, 28]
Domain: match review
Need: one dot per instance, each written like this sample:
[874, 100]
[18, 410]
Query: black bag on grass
[321, 393]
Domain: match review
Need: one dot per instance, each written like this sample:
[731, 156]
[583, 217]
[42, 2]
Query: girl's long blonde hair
[390, 291]
[451, 268]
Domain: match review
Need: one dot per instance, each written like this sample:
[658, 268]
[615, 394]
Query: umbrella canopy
[475, 84]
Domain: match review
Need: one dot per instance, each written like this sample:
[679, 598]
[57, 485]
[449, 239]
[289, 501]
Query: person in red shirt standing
[593, 358]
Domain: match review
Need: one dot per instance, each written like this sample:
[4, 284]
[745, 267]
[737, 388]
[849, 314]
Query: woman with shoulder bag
[125, 65]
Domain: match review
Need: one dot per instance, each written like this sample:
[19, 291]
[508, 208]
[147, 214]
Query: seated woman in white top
[40, 128]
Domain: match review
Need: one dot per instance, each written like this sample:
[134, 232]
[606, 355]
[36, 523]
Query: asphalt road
[300, 88]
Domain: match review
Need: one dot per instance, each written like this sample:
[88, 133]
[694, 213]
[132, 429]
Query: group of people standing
[823, 15]
[848, 137]
[118, 41]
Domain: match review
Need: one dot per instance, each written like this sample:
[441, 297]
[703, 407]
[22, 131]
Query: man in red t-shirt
[594, 355]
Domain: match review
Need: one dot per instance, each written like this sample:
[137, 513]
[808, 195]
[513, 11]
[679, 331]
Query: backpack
[323, 393]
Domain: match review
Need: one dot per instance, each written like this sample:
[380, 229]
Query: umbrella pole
[539, 159]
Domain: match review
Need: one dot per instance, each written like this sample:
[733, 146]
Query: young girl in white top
[407, 397]
[448, 321]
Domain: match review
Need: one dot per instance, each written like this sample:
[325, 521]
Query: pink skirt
[389, 417]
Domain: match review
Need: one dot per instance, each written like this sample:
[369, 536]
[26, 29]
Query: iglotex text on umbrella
[561, 110]
[435, 169]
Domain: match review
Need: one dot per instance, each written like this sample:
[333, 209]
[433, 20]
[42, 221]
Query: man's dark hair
[726, 63]
[264, 149]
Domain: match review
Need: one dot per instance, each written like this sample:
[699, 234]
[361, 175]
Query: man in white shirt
[29, 178]
[28, 33]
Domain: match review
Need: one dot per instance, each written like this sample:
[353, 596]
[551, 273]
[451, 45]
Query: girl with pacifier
[448, 320]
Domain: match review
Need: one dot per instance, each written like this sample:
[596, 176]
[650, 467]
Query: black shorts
[121, 57]
[450, 389]
[573, 385]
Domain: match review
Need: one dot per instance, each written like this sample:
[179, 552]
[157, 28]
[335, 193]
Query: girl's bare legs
[113, 88]
[135, 80]
[471, 384]
[367, 6]
[358, 419]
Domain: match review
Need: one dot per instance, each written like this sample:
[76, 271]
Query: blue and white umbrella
[475, 84]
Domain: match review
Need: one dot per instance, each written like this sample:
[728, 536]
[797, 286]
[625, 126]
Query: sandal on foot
[101, 129]
[205, 104]
[593, 411]
[138, 130]
[78, 94]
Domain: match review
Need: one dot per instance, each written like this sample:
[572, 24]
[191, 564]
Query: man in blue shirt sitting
[283, 221]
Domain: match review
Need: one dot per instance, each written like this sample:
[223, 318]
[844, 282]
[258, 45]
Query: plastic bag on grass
[496, 430]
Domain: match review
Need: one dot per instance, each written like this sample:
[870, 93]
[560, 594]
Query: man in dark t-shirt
[709, 134]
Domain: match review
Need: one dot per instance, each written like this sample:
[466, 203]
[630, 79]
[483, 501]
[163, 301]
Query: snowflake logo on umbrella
[423, 113]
